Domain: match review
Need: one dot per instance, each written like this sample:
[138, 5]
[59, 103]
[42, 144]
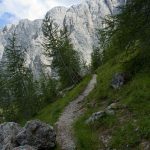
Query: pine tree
[65, 60]
[128, 32]
[20, 82]
[96, 58]
[48, 89]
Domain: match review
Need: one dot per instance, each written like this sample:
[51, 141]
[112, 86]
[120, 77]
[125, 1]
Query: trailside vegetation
[22, 95]
[124, 41]
[66, 62]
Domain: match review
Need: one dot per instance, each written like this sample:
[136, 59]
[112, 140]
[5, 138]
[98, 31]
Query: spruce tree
[20, 82]
[96, 58]
[128, 32]
[65, 60]
[48, 89]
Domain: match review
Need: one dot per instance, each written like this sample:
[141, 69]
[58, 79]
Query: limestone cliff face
[82, 22]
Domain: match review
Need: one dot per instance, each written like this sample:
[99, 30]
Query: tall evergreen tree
[128, 31]
[48, 88]
[20, 82]
[65, 60]
[96, 58]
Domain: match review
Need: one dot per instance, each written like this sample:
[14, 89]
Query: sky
[14, 10]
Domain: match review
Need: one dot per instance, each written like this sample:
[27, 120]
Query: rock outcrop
[8, 132]
[119, 79]
[95, 116]
[26, 147]
[82, 22]
[108, 111]
[36, 135]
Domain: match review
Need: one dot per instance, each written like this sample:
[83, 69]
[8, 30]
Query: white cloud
[31, 9]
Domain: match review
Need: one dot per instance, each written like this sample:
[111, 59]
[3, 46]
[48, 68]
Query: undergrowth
[129, 126]
[51, 113]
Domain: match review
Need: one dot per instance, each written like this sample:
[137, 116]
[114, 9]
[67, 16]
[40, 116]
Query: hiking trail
[65, 137]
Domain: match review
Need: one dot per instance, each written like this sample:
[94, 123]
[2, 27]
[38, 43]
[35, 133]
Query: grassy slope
[129, 126]
[51, 113]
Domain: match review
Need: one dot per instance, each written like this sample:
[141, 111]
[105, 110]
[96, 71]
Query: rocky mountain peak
[82, 22]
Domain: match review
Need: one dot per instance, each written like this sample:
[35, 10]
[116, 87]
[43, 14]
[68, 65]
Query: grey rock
[82, 21]
[109, 112]
[118, 80]
[8, 132]
[145, 145]
[26, 147]
[113, 106]
[95, 116]
[37, 134]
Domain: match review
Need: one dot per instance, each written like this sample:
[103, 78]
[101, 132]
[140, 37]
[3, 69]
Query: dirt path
[72, 112]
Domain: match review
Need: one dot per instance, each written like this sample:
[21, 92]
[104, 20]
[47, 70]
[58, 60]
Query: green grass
[125, 136]
[131, 134]
[51, 113]
[135, 95]
[85, 133]
[87, 136]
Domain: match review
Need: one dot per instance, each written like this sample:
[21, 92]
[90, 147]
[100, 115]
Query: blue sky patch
[6, 18]
[13, 10]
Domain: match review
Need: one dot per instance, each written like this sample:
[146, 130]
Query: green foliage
[144, 127]
[130, 134]
[19, 86]
[48, 88]
[128, 31]
[69, 65]
[22, 96]
[138, 63]
[65, 60]
[86, 137]
[51, 113]
[108, 122]
[96, 59]
[134, 95]
[125, 41]
[124, 137]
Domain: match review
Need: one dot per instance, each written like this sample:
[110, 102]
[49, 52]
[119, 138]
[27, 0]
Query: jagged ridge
[82, 21]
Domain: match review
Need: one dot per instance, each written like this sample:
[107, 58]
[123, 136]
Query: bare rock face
[8, 132]
[37, 134]
[82, 22]
[26, 147]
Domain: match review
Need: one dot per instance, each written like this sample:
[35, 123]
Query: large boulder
[26, 147]
[8, 132]
[119, 79]
[37, 134]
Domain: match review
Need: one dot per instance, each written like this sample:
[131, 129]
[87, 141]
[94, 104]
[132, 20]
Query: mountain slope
[125, 123]
[82, 21]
